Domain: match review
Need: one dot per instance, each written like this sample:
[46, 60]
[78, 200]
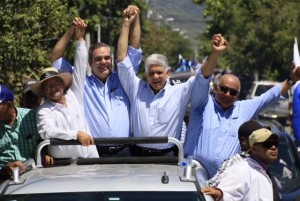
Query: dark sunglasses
[225, 90]
[269, 144]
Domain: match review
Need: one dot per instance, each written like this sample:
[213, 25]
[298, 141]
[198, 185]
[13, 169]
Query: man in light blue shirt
[214, 119]
[106, 105]
[157, 108]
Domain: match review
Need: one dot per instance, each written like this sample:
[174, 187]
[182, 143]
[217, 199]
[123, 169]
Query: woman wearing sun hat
[61, 115]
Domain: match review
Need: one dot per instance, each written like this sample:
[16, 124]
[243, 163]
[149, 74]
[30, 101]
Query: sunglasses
[225, 90]
[269, 144]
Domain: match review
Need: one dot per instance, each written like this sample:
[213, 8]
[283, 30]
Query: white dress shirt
[64, 122]
[154, 115]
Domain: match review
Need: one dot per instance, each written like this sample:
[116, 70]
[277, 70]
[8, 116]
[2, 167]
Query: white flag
[296, 54]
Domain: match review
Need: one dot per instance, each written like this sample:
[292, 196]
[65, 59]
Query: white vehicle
[281, 110]
[109, 179]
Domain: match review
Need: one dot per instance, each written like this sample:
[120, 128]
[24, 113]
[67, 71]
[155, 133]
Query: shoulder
[25, 112]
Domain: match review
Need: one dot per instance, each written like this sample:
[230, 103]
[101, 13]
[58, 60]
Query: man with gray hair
[157, 108]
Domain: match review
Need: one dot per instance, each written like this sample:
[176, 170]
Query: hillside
[188, 17]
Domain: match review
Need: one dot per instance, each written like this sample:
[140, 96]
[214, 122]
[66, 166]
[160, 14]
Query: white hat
[48, 73]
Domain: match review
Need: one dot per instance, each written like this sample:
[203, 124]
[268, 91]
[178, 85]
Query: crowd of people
[68, 103]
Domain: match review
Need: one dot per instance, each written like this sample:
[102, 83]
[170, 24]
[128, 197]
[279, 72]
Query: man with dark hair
[250, 179]
[106, 105]
[29, 99]
[244, 132]
[18, 133]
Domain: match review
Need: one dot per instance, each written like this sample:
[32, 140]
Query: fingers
[85, 139]
[219, 40]
[79, 23]
[48, 160]
[130, 11]
[219, 43]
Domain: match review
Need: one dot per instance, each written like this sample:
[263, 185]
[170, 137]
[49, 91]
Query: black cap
[248, 127]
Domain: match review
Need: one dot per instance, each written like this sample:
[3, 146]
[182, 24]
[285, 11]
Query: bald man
[212, 134]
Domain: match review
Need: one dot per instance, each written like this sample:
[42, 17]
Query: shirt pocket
[118, 100]
[166, 114]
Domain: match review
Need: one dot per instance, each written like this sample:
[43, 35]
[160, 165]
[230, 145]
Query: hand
[130, 13]
[295, 75]
[8, 169]
[79, 27]
[214, 192]
[131, 10]
[219, 44]
[47, 160]
[85, 139]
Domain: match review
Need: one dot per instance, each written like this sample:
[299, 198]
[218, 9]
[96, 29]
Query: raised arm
[129, 17]
[219, 44]
[61, 45]
[135, 28]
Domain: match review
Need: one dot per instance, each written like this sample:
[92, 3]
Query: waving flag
[296, 57]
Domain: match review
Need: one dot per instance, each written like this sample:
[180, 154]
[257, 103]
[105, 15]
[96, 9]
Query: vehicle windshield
[262, 89]
[109, 196]
[285, 168]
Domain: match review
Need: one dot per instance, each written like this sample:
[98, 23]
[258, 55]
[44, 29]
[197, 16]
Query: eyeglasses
[225, 90]
[269, 144]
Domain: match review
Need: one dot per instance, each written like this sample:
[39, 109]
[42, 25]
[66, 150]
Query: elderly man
[157, 107]
[61, 115]
[214, 119]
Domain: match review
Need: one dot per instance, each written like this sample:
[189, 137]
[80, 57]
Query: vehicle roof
[108, 177]
[266, 82]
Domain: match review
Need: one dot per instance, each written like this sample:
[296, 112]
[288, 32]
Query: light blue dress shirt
[212, 133]
[158, 114]
[106, 105]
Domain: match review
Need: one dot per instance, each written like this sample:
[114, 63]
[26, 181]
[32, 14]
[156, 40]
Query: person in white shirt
[157, 108]
[61, 115]
[250, 179]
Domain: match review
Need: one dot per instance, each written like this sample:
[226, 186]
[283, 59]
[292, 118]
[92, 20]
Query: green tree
[162, 40]
[28, 29]
[261, 34]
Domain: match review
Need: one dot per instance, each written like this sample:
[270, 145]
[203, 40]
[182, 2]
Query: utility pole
[98, 32]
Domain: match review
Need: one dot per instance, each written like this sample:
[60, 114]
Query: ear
[215, 88]
[168, 72]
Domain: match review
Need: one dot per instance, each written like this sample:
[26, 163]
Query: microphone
[112, 89]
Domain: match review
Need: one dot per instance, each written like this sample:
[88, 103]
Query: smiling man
[157, 108]
[212, 133]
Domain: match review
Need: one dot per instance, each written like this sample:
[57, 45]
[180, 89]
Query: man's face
[226, 93]
[101, 63]
[53, 89]
[266, 151]
[3, 111]
[157, 77]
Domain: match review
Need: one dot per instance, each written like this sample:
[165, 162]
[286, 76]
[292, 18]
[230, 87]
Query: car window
[283, 166]
[262, 89]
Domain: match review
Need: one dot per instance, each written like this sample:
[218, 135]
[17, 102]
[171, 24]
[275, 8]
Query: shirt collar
[220, 108]
[262, 164]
